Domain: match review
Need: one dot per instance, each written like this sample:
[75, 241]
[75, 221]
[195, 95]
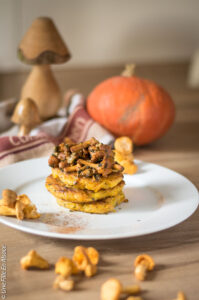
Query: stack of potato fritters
[85, 177]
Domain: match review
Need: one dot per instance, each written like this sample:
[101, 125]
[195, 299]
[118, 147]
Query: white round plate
[158, 199]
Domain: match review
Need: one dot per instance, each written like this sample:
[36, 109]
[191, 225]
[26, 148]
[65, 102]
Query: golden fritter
[72, 179]
[99, 207]
[59, 190]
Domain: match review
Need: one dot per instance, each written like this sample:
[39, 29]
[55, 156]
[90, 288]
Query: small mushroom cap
[9, 194]
[111, 289]
[146, 260]
[181, 296]
[9, 198]
[64, 266]
[33, 259]
[124, 145]
[42, 44]
[26, 113]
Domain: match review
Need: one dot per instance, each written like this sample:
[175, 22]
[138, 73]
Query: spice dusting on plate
[65, 229]
[159, 196]
[62, 222]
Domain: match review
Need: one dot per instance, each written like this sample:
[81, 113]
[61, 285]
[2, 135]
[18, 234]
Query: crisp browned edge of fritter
[90, 179]
[111, 208]
[63, 189]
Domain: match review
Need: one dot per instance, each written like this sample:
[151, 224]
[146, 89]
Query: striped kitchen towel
[79, 126]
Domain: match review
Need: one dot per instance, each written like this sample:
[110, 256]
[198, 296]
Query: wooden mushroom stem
[24, 130]
[43, 88]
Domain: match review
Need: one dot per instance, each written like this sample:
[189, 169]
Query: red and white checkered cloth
[79, 127]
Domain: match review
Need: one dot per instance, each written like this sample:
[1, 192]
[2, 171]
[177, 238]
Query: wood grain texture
[176, 250]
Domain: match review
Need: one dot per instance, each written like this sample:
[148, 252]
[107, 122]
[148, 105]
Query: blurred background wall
[106, 32]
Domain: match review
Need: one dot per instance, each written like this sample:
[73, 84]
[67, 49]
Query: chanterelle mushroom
[143, 263]
[63, 283]
[26, 115]
[86, 260]
[112, 288]
[181, 296]
[41, 46]
[134, 298]
[64, 266]
[33, 259]
[9, 198]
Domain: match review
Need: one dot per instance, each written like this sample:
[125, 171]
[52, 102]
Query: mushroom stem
[140, 272]
[131, 289]
[129, 70]
[134, 298]
[42, 87]
[24, 130]
[181, 296]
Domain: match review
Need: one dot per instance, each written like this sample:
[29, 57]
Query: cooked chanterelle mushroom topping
[88, 159]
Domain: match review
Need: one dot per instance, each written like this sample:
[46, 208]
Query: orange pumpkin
[131, 106]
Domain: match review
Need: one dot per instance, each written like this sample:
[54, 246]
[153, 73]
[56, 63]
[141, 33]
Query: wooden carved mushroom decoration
[26, 115]
[41, 46]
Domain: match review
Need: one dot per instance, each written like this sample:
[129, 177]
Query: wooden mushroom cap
[42, 44]
[26, 113]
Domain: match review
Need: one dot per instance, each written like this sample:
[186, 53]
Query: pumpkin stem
[129, 70]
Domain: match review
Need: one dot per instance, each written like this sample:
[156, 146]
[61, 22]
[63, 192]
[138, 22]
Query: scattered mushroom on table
[142, 264]
[34, 260]
[112, 289]
[180, 296]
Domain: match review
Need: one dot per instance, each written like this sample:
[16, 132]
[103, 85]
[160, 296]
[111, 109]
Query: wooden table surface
[175, 251]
